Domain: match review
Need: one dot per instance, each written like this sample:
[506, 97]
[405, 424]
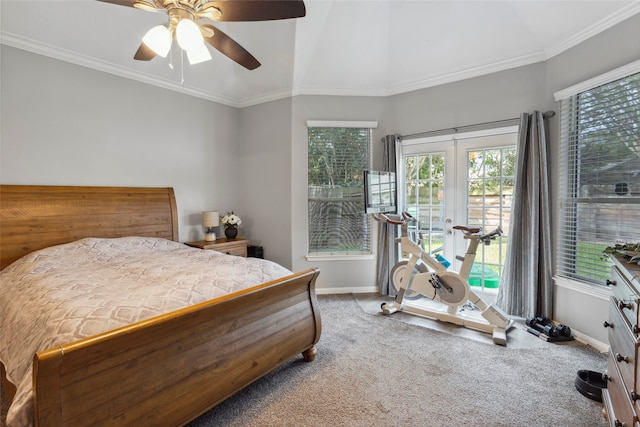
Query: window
[600, 173]
[338, 156]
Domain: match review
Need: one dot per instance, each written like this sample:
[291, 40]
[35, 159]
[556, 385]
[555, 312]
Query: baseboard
[353, 290]
[585, 339]
[580, 337]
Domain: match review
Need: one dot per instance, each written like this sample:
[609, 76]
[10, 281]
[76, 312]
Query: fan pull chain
[171, 58]
[182, 67]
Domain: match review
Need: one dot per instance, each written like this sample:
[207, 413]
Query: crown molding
[340, 91]
[600, 26]
[94, 64]
[393, 88]
[483, 70]
[608, 77]
[274, 96]
[85, 61]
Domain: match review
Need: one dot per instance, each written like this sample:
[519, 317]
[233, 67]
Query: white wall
[68, 125]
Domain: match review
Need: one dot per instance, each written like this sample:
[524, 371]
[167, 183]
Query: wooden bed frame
[168, 369]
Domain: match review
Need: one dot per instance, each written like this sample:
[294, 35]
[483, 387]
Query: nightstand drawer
[237, 250]
[237, 247]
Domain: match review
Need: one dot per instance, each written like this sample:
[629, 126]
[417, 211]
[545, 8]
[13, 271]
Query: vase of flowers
[231, 222]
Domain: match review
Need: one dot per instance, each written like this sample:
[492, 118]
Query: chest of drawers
[622, 396]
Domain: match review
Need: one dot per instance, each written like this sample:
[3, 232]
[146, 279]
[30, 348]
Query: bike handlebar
[407, 217]
[492, 234]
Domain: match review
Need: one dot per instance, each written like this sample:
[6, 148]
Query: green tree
[336, 155]
[608, 131]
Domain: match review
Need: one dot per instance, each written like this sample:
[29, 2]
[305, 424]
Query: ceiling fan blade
[231, 48]
[149, 6]
[144, 53]
[258, 10]
[120, 2]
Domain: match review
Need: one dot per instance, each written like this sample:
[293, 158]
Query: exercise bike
[423, 276]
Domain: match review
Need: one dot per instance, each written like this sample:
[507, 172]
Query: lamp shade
[210, 219]
[198, 55]
[158, 39]
[189, 35]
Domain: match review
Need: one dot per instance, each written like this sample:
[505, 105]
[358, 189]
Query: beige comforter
[60, 294]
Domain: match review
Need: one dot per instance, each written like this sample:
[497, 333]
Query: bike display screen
[380, 192]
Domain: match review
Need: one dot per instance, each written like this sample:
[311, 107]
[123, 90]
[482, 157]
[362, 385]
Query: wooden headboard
[36, 217]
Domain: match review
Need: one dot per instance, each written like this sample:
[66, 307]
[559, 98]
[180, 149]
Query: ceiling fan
[185, 25]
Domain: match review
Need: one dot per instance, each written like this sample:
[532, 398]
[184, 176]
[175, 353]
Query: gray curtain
[387, 233]
[526, 287]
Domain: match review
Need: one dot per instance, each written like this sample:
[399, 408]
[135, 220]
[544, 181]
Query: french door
[462, 179]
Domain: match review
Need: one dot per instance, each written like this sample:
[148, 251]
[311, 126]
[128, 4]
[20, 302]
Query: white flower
[231, 220]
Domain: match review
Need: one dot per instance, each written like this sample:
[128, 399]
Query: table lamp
[210, 220]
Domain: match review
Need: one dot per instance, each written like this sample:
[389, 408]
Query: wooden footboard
[170, 369]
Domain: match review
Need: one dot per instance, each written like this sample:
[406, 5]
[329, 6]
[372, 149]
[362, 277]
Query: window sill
[355, 257]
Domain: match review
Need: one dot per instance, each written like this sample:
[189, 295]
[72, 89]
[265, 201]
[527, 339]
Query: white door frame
[455, 147]
[427, 146]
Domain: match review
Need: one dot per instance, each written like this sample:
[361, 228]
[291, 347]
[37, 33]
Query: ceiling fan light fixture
[158, 39]
[199, 55]
[189, 35]
[210, 12]
[143, 5]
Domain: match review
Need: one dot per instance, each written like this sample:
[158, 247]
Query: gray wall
[498, 96]
[264, 173]
[585, 307]
[72, 125]
[68, 125]
[342, 275]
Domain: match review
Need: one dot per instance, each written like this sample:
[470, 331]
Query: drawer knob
[607, 324]
[621, 358]
[623, 305]
[619, 423]
[634, 396]
[611, 282]
[606, 377]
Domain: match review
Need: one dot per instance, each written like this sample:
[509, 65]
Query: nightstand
[237, 247]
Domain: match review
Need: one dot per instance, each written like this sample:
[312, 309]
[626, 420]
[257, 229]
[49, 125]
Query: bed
[168, 368]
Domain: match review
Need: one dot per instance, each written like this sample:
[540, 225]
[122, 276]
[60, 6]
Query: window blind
[599, 177]
[338, 224]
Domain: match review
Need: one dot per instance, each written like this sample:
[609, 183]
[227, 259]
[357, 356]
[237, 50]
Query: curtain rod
[478, 126]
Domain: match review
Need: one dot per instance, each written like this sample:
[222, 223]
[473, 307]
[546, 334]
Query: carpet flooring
[373, 369]
[387, 370]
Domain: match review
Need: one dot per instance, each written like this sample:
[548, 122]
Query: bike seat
[469, 230]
